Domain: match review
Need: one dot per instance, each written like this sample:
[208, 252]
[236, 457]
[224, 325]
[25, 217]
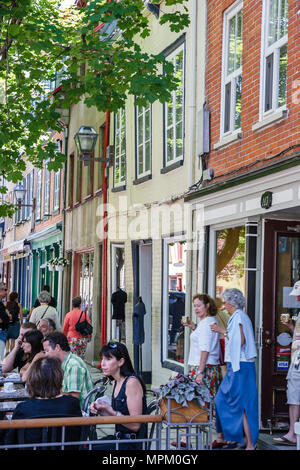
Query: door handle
[268, 342]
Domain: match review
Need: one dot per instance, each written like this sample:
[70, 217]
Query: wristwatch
[118, 413]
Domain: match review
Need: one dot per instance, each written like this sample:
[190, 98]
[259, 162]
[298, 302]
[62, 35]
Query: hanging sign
[266, 200]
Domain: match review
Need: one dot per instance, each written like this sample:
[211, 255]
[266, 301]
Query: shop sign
[266, 200]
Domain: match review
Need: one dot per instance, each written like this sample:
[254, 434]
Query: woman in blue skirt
[236, 402]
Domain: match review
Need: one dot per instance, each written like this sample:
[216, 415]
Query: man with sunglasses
[4, 320]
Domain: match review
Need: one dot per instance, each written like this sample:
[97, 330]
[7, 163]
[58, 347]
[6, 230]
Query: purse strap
[42, 316]
[78, 321]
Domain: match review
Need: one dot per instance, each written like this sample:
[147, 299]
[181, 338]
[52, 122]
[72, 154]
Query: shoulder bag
[83, 327]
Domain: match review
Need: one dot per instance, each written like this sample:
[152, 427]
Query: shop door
[281, 271]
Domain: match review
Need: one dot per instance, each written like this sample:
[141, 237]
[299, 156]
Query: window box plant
[51, 264]
[183, 400]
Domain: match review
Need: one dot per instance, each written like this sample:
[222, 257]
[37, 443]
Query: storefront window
[175, 306]
[288, 272]
[230, 259]
[87, 281]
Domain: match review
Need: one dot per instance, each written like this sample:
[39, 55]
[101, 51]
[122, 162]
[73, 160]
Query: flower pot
[60, 268]
[182, 414]
[51, 268]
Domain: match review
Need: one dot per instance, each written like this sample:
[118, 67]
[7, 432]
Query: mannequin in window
[118, 300]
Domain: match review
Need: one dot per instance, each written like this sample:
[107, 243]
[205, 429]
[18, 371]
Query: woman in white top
[204, 356]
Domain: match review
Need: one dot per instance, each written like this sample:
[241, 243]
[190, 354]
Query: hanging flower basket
[59, 268]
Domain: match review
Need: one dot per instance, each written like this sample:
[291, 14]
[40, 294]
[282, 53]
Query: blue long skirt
[237, 394]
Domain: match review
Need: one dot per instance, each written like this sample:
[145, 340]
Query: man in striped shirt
[77, 380]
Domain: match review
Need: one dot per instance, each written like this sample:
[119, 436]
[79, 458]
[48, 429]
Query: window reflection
[177, 289]
[86, 281]
[230, 261]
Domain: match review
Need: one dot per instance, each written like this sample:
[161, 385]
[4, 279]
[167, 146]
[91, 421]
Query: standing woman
[77, 342]
[16, 312]
[236, 401]
[204, 356]
[128, 396]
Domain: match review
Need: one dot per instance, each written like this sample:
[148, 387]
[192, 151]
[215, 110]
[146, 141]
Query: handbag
[83, 327]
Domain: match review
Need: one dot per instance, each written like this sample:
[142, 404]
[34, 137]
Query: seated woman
[128, 396]
[44, 384]
[33, 349]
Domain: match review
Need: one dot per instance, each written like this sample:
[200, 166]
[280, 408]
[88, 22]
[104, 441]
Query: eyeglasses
[112, 344]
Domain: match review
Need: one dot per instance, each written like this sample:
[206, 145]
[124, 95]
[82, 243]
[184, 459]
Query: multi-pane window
[47, 181]
[38, 210]
[275, 54]
[143, 140]
[232, 69]
[120, 149]
[56, 183]
[174, 112]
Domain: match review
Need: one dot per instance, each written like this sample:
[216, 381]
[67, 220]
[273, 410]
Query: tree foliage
[38, 41]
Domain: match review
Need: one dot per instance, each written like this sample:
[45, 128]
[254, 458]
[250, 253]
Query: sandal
[175, 444]
[218, 445]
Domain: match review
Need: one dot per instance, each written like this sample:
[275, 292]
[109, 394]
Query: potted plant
[51, 264]
[183, 400]
[61, 263]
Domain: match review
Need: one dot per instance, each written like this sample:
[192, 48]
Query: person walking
[16, 311]
[45, 311]
[4, 320]
[293, 377]
[77, 342]
[236, 401]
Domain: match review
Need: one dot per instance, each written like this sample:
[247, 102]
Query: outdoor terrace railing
[52, 442]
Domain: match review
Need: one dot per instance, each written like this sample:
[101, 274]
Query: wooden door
[281, 271]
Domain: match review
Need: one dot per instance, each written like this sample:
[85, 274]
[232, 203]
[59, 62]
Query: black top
[14, 310]
[4, 317]
[20, 359]
[118, 299]
[119, 403]
[64, 406]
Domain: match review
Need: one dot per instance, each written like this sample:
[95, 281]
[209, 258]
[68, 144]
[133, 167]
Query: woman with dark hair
[44, 384]
[32, 345]
[16, 312]
[128, 396]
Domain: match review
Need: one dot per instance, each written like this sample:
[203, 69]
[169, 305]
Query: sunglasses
[112, 345]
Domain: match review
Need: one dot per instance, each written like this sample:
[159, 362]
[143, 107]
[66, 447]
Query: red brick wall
[254, 145]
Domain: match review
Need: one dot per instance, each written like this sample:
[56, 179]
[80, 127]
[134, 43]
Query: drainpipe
[104, 242]
[191, 106]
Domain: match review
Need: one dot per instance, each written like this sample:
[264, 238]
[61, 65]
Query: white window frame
[57, 183]
[165, 290]
[120, 149]
[38, 192]
[229, 78]
[141, 111]
[46, 190]
[266, 51]
[172, 57]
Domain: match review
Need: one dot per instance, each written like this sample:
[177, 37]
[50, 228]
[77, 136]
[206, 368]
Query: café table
[14, 378]
[7, 406]
[12, 395]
